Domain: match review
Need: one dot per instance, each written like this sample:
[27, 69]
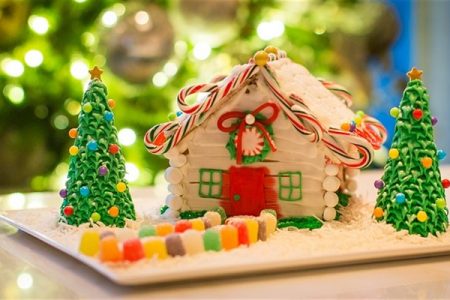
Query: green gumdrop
[147, 231]
[95, 217]
[211, 240]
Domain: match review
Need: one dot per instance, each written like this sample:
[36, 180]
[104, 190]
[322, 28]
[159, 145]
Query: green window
[290, 186]
[210, 183]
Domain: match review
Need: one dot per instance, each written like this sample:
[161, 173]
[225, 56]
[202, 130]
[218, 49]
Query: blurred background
[151, 49]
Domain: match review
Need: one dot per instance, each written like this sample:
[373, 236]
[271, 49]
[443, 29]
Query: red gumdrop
[113, 148]
[133, 250]
[445, 183]
[242, 232]
[182, 226]
[417, 114]
[68, 210]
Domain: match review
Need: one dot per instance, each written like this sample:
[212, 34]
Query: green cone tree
[411, 193]
[96, 189]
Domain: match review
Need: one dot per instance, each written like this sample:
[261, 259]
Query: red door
[246, 190]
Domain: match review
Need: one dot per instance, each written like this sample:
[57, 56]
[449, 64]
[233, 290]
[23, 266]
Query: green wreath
[246, 160]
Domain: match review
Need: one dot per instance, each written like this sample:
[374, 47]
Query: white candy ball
[178, 161]
[173, 175]
[174, 202]
[176, 189]
[331, 199]
[352, 185]
[331, 184]
[329, 214]
[352, 172]
[171, 153]
[213, 217]
[331, 169]
[249, 119]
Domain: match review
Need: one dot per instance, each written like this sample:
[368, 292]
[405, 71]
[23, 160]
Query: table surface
[30, 268]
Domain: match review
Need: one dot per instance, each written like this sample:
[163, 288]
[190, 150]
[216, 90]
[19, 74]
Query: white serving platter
[358, 240]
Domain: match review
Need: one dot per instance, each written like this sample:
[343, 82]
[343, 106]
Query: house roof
[316, 108]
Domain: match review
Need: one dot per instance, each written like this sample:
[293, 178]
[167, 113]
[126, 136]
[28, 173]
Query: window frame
[291, 187]
[210, 183]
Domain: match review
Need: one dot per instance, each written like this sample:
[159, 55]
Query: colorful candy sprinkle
[113, 211]
[73, 133]
[229, 237]
[422, 216]
[441, 154]
[87, 108]
[113, 149]
[394, 112]
[95, 216]
[441, 203]
[417, 114]
[379, 184]
[111, 103]
[393, 153]
[427, 162]
[68, 210]
[197, 224]
[73, 150]
[434, 120]
[63, 193]
[182, 226]
[174, 245]
[400, 198]
[103, 170]
[92, 145]
[108, 116]
[378, 212]
[445, 183]
[84, 191]
[121, 187]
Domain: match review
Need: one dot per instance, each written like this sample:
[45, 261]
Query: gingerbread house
[268, 136]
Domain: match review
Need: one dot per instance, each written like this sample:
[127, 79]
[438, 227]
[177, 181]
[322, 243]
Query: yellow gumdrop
[422, 216]
[358, 120]
[73, 150]
[393, 153]
[155, 247]
[121, 187]
[90, 243]
[252, 228]
[197, 224]
[394, 112]
[378, 212]
[261, 58]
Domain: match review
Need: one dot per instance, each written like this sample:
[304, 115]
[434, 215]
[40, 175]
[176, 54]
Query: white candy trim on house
[331, 185]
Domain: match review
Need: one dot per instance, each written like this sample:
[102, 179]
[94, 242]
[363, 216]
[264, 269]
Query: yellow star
[415, 74]
[96, 73]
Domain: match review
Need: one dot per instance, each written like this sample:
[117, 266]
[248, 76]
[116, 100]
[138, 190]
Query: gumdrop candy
[212, 240]
[252, 228]
[213, 217]
[182, 226]
[133, 250]
[90, 243]
[109, 249]
[229, 237]
[242, 229]
[271, 223]
[262, 230]
[146, 231]
[155, 246]
[164, 229]
[192, 242]
[174, 245]
[198, 224]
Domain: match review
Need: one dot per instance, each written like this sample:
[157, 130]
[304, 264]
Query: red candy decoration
[417, 114]
[113, 148]
[68, 210]
[133, 250]
[242, 232]
[182, 226]
[445, 183]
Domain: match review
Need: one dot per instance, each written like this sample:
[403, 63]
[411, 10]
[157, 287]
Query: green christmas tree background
[96, 189]
[411, 194]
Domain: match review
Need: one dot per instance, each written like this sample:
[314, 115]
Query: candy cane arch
[369, 134]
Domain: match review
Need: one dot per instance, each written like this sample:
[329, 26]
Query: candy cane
[338, 90]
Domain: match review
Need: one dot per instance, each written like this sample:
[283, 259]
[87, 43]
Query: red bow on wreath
[249, 119]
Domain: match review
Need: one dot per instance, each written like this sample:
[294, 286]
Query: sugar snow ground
[355, 233]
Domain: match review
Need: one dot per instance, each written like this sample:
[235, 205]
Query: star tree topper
[415, 74]
[96, 73]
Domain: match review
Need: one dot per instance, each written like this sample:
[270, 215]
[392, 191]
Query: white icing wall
[206, 149]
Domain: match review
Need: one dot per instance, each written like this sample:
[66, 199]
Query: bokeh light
[270, 30]
[132, 172]
[12, 67]
[38, 24]
[160, 79]
[34, 58]
[127, 136]
[109, 18]
[79, 69]
[202, 51]
[14, 93]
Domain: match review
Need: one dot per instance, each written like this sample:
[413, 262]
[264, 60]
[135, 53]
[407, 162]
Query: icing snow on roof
[313, 110]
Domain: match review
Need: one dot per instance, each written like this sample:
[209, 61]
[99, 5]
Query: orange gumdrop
[427, 162]
[113, 211]
[378, 212]
[111, 103]
[109, 250]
